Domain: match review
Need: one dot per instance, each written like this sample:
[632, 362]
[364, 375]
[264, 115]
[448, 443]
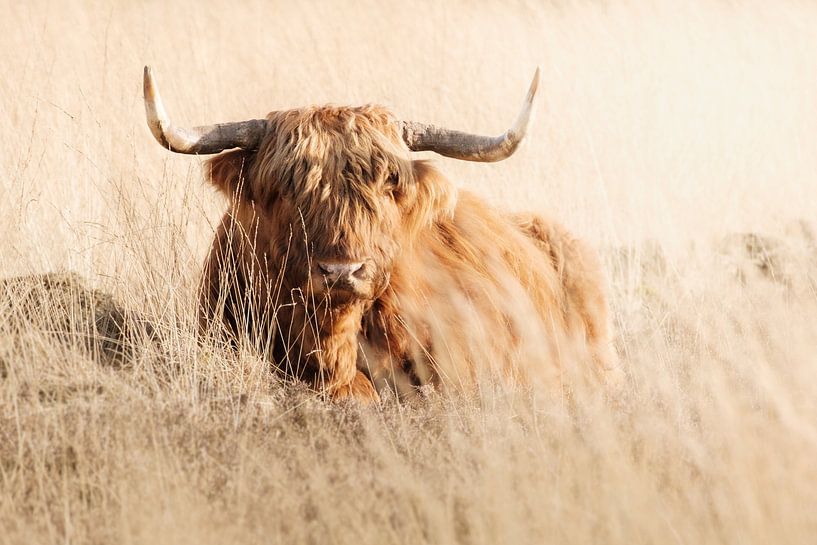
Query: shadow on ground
[63, 308]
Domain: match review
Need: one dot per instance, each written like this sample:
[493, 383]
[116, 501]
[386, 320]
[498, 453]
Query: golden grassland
[678, 137]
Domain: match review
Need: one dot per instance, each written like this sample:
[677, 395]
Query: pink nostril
[336, 271]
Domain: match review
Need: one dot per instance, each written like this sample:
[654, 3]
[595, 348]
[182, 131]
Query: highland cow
[359, 268]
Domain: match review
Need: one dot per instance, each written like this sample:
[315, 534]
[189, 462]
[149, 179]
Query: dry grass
[678, 136]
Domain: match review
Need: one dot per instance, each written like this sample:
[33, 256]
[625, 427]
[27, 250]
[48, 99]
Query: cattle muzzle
[345, 280]
[345, 273]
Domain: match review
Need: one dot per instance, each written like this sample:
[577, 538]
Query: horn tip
[147, 76]
[515, 136]
[148, 84]
[154, 110]
[534, 85]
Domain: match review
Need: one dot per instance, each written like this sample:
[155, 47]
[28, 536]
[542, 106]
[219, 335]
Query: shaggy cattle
[358, 267]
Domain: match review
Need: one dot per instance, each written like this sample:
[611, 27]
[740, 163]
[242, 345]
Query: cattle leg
[329, 348]
[361, 389]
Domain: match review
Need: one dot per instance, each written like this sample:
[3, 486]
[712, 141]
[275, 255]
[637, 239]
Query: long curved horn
[471, 147]
[197, 140]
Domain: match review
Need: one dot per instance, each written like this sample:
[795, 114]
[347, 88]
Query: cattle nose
[340, 271]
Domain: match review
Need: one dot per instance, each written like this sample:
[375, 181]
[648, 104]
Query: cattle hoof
[360, 389]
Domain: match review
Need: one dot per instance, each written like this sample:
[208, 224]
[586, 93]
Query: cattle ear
[229, 172]
[429, 198]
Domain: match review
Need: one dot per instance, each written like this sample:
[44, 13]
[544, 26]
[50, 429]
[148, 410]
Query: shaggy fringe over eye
[318, 158]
